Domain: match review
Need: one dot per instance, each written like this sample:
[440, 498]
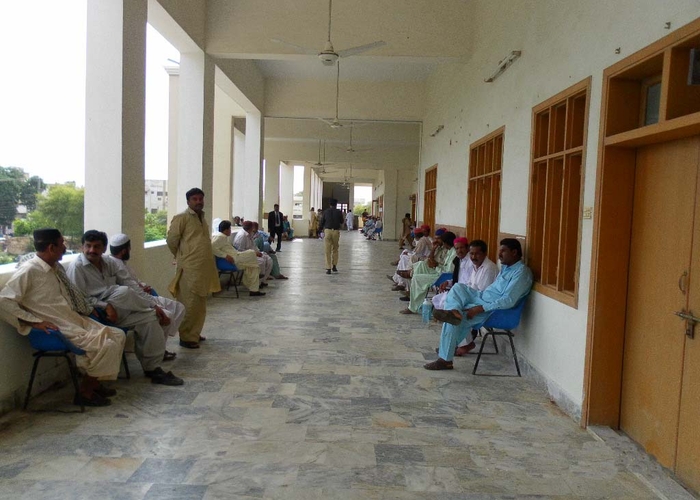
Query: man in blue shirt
[513, 283]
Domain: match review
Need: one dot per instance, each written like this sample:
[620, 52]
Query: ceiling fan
[321, 164]
[328, 55]
[335, 123]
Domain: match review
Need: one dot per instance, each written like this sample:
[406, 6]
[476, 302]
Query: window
[430, 196]
[556, 191]
[484, 188]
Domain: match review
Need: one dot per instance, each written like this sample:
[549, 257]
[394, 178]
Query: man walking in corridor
[331, 220]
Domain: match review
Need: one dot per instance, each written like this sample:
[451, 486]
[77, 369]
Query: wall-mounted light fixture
[437, 130]
[504, 64]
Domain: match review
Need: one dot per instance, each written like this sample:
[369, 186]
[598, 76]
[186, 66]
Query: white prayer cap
[118, 240]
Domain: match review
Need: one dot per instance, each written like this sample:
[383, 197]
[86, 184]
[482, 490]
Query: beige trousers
[331, 241]
[195, 314]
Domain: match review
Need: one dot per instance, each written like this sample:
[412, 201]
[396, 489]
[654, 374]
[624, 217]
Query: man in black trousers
[275, 226]
[331, 220]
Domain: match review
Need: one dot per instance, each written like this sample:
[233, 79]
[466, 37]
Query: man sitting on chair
[244, 241]
[246, 261]
[39, 295]
[108, 288]
[513, 283]
[120, 250]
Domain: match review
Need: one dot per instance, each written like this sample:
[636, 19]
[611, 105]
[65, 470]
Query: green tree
[358, 209]
[63, 208]
[155, 225]
[16, 189]
[25, 227]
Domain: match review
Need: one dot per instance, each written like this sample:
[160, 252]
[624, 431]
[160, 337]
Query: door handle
[690, 322]
[681, 281]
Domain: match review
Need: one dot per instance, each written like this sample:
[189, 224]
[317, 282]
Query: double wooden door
[660, 405]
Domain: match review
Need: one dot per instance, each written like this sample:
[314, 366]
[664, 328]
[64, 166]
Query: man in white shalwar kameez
[423, 247]
[120, 250]
[244, 241]
[245, 261]
[39, 295]
[108, 288]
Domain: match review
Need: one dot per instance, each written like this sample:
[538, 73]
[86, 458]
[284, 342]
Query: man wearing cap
[39, 295]
[466, 307]
[120, 250]
[245, 261]
[331, 221]
[110, 289]
[189, 241]
[244, 241]
[425, 272]
[424, 245]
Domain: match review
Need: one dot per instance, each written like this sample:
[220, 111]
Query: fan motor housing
[328, 58]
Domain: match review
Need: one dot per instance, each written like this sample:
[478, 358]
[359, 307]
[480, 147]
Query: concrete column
[173, 107]
[208, 103]
[238, 175]
[223, 160]
[306, 204]
[272, 184]
[253, 165]
[351, 196]
[115, 118]
[390, 199]
[286, 188]
[190, 147]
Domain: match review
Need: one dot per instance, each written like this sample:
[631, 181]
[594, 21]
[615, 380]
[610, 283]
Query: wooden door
[655, 354]
[688, 454]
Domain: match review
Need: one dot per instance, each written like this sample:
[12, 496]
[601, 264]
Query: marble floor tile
[327, 401]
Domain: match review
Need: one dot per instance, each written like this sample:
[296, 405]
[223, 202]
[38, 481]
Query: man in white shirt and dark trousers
[331, 221]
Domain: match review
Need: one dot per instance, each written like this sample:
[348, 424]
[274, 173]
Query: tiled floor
[318, 391]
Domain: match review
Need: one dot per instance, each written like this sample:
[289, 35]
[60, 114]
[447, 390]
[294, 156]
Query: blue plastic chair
[501, 322]
[235, 275]
[378, 231]
[52, 345]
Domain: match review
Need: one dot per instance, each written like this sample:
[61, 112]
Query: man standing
[406, 230]
[275, 225]
[120, 250]
[110, 289]
[189, 241]
[245, 261]
[350, 220]
[39, 295]
[512, 284]
[331, 220]
[313, 223]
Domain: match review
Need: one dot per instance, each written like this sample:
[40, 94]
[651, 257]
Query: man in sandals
[466, 307]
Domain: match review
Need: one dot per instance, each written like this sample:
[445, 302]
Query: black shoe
[405, 299]
[189, 345]
[263, 284]
[158, 376]
[94, 400]
[257, 294]
[335, 269]
[328, 271]
[104, 391]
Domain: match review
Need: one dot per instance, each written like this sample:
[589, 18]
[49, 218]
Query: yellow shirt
[188, 240]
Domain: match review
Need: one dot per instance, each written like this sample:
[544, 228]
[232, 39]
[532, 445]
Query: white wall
[562, 43]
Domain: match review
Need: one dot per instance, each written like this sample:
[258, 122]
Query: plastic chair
[501, 322]
[235, 275]
[53, 345]
[378, 231]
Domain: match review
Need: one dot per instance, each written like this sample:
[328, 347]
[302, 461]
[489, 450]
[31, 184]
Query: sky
[42, 91]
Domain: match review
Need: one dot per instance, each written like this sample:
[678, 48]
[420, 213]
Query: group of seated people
[372, 227]
[475, 286]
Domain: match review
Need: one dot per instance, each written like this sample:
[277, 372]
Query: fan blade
[327, 122]
[362, 48]
[298, 48]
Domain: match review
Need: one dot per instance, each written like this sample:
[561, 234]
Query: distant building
[156, 195]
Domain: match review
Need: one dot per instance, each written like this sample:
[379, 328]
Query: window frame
[552, 265]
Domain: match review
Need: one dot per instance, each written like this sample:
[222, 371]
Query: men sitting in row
[466, 307]
[263, 241]
[120, 250]
[473, 268]
[108, 288]
[245, 261]
[425, 272]
[40, 295]
[424, 245]
[243, 240]
[376, 228]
